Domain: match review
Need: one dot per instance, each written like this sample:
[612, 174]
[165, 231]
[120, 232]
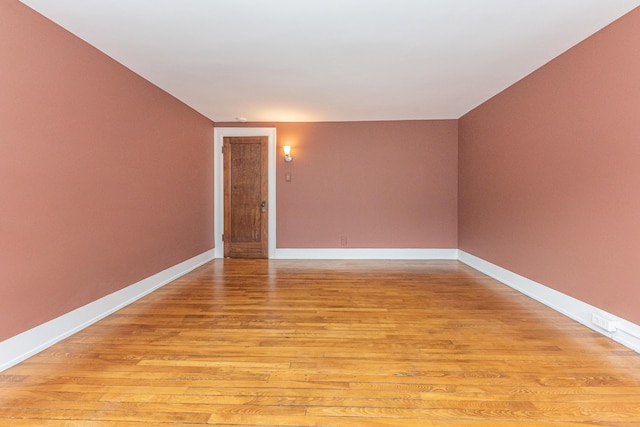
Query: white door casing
[218, 188]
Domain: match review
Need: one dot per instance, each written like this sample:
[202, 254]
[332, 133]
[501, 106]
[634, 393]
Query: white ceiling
[333, 60]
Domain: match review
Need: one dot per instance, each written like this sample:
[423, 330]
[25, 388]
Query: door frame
[218, 184]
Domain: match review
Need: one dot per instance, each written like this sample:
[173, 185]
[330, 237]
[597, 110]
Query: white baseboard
[366, 253]
[20, 347]
[627, 333]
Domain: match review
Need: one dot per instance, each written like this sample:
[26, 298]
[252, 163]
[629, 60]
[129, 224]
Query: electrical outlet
[606, 324]
[343, 240]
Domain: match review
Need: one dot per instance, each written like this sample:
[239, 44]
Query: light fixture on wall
[287, 153]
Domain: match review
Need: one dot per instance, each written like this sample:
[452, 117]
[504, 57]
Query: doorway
[246, 233]
[219, 134]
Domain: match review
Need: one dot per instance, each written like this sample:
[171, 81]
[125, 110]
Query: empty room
[320, 213]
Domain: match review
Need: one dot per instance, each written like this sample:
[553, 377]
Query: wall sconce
[287, 153]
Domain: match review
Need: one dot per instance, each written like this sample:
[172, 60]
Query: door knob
[263, 206]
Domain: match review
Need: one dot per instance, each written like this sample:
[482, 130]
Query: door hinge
[223, 237]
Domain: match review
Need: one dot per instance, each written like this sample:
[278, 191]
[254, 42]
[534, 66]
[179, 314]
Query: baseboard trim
[366, 253]
[20, 347]
[627, 333]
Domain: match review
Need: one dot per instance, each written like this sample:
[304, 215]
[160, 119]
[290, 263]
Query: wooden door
[245, 197]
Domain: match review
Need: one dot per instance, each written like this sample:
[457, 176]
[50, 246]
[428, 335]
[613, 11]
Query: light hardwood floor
[329, 343]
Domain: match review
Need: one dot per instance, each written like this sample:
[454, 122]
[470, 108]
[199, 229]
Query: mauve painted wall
[550, 173]
[388, 184]
[104, 178]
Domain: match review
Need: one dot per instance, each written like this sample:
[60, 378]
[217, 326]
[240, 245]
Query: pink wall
[550, 173]
[381, 184]
[104, 178]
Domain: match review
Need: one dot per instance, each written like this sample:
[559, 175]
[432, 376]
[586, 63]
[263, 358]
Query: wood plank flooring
[329, 343]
